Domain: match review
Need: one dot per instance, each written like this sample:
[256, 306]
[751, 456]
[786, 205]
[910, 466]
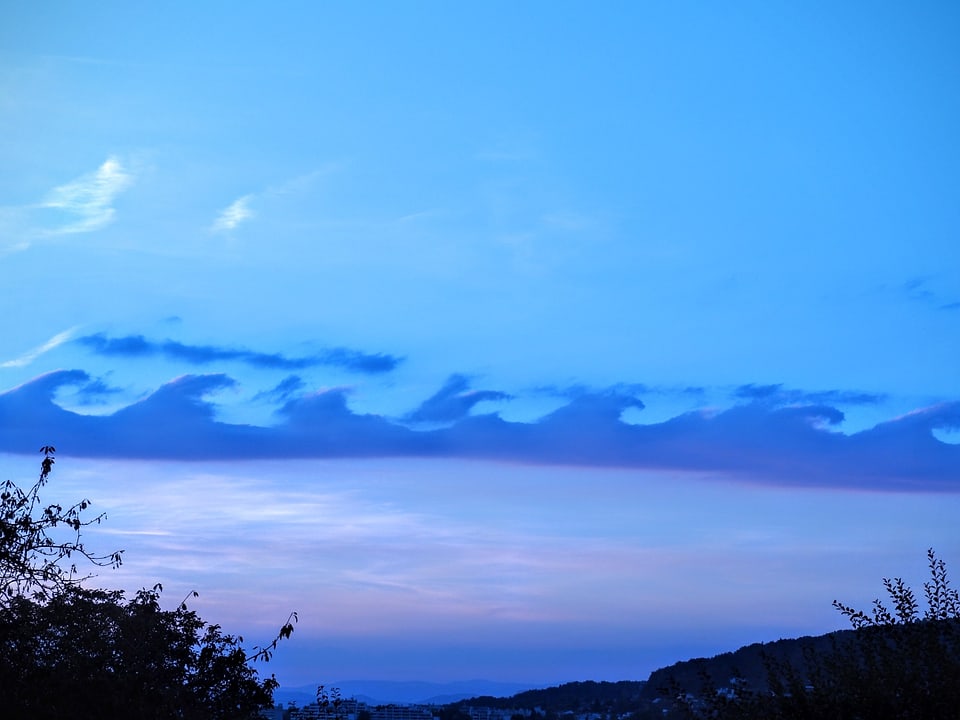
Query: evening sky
[531, 341]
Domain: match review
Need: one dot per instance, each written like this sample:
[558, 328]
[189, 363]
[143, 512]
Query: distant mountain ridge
[745, 662]
[385, 692]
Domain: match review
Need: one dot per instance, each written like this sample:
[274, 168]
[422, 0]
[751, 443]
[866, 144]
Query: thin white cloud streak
[301, 183]
[16, 228]
[31, 355]
[239, 211]
[89, 199]
[234, 215]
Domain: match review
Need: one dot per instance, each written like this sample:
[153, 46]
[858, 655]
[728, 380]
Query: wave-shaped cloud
[761, 442]
[453, 401]
[777, 393]
[133, 346]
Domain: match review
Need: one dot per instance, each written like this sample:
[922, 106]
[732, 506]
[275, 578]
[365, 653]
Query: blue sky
[458, 328]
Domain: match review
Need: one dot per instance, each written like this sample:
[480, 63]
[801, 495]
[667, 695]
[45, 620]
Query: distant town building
[401, 712]
[488, 713]
[351, 709]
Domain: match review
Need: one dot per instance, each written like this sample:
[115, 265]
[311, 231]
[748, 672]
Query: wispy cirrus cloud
[87, 202]
[241, 211]
[139, 346]
[31, 355]
[235, 214]
[82, 205]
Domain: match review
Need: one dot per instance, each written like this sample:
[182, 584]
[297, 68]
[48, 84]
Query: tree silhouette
[71, 651]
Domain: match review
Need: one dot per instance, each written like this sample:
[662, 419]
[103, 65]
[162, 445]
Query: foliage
[330, 703]
[71, 651]
[91, 653]
[896, 663]
[36, 539]
[943, 601]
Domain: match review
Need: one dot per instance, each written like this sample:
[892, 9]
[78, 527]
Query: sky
[534, 342]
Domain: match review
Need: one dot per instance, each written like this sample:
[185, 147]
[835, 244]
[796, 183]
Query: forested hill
[587, 696]
[749, 664]
[909, 666]
[618, 697]
[615, 698]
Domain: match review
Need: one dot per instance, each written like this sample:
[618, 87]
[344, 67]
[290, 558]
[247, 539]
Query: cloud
[453, 401]
[88, 200]
[300, 183]
[134, 346]
[95, 392]
[918, 290]
[31, 355]
[236, 213]
[240, 211]
[285, 389]
[759, 442]
[777, 394]
[176, 415]
[574, 391]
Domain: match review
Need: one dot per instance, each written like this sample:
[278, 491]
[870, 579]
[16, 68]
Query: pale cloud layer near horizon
[456, 566]
[490, 322]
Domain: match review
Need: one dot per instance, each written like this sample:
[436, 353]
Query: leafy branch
[266, 652]
[943, 601]
[31, 553]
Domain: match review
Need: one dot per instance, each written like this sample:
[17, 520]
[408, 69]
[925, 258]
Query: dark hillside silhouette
[894, 663]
